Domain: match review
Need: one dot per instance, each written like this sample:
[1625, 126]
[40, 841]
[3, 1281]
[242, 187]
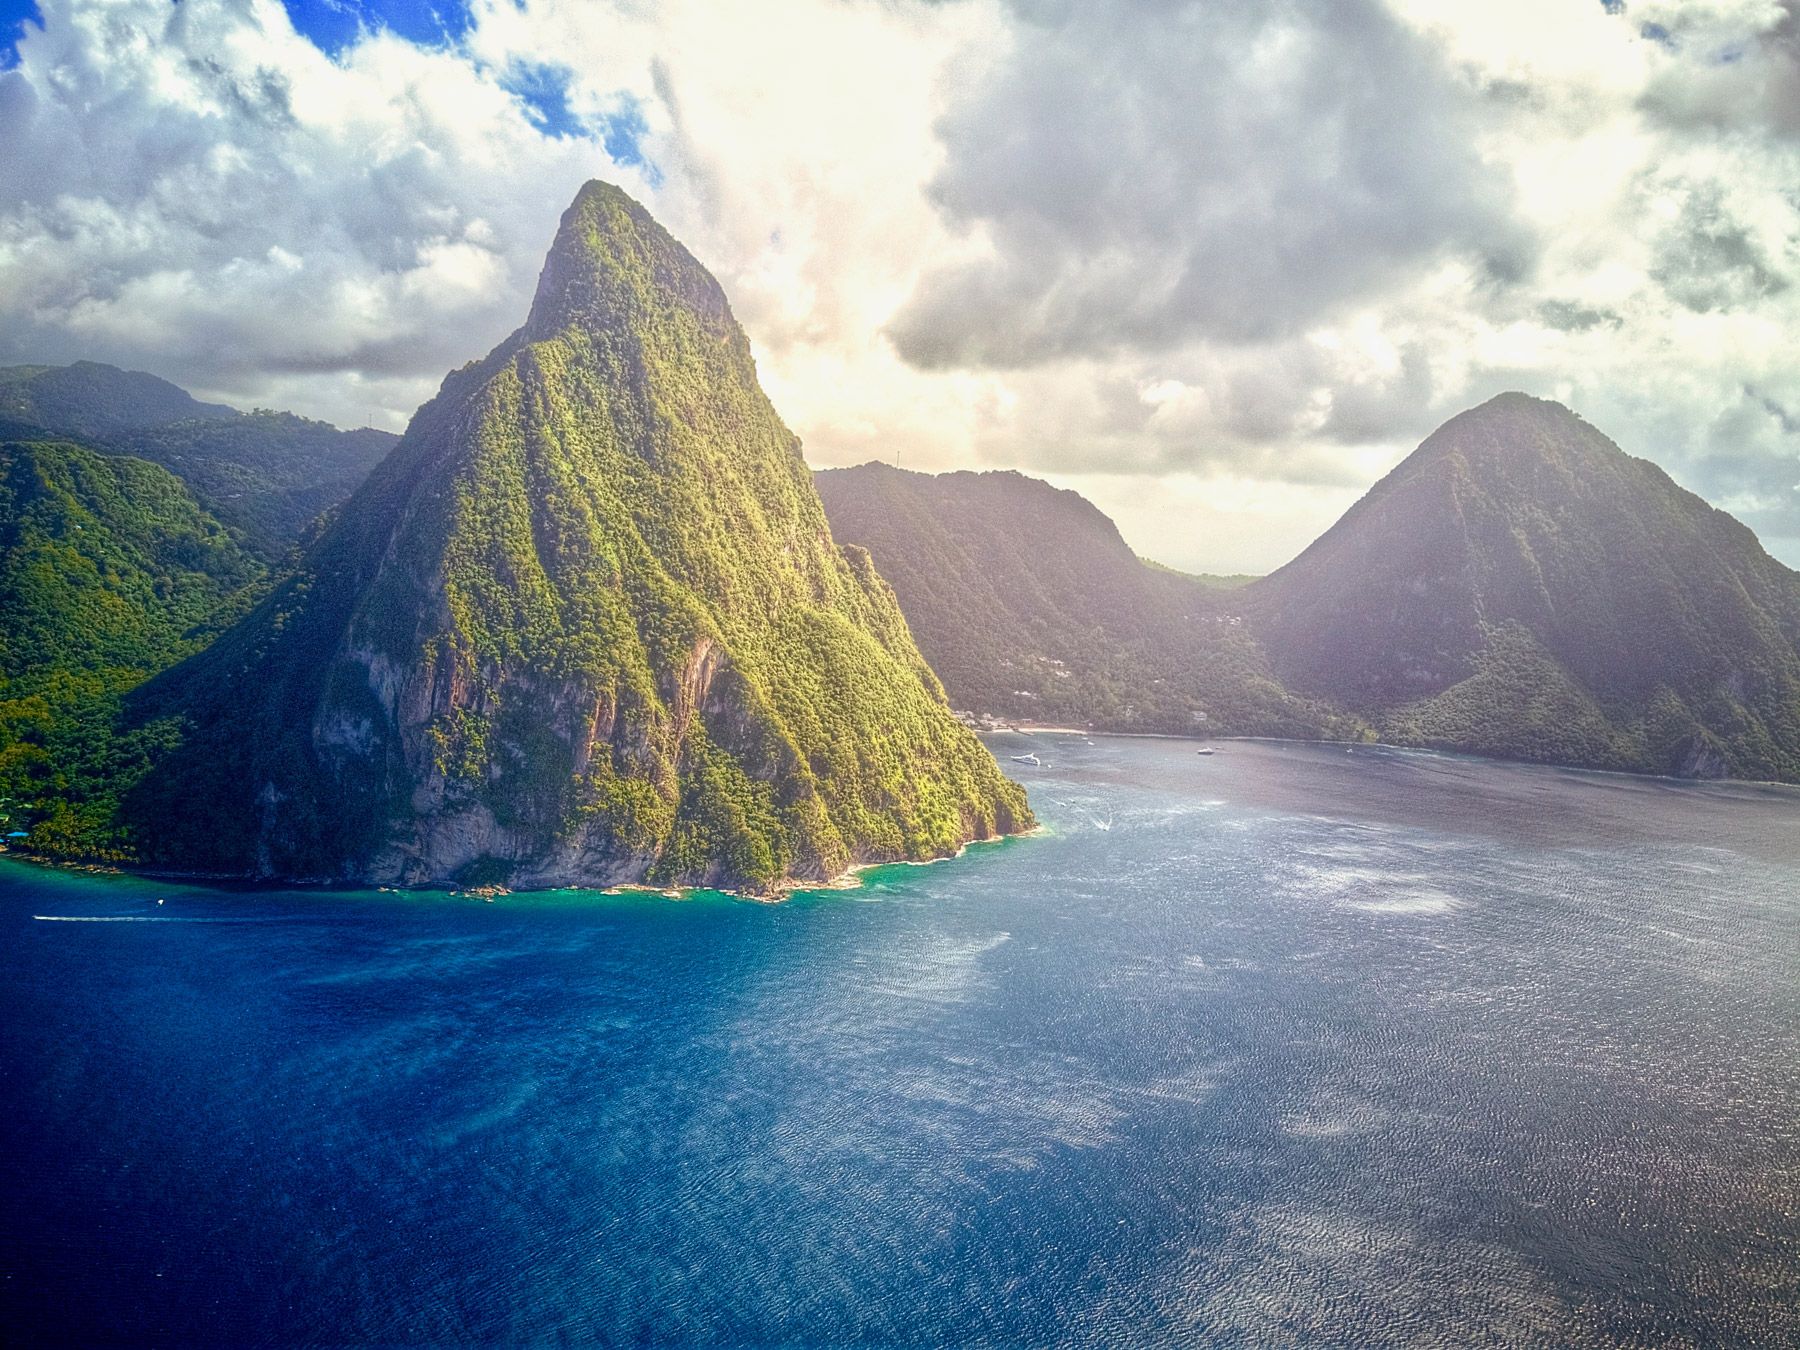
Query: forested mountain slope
[1521, 586]
[586, 624]
[266, 474]
[109, 572]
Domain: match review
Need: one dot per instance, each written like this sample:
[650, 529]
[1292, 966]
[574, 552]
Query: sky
[1217, 266]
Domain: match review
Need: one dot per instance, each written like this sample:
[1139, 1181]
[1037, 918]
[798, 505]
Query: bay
[1285, 1043]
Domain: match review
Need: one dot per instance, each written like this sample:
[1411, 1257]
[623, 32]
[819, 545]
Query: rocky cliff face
[585, 625]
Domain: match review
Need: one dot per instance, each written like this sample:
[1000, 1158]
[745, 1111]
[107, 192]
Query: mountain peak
[1514, 428]
[1518, 400]
[90, 398]
[612, 265]
[1522, 584]
[1514, 408]
[586, 624]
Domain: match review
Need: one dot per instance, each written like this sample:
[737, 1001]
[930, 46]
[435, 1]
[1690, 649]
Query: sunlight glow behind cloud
[1222, 264]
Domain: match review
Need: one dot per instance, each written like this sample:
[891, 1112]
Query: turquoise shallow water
[1289, 1043]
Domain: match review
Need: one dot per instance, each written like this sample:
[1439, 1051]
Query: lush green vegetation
[109, 571]
[89, 399]
[586, 623]
[267, 475]
[1030, 606]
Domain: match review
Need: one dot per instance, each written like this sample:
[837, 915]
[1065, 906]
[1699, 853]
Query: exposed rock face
[1702, 757]
[585, 625]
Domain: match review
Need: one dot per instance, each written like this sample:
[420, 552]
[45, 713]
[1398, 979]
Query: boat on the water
[1026, 759]
[1206, 750]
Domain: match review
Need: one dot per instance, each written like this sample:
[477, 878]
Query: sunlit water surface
[1285, 1043]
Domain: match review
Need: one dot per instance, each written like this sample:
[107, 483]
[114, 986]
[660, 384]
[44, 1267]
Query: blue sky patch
[622, 133]
[14, 15]
[333, 25]
[544, 90]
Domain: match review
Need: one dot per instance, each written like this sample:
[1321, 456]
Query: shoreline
[849, 879]
[1445, 751]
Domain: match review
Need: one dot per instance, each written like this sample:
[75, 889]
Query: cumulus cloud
[1742, 71]
[1213, 262]
[1283, 242]
[199, 189]
[1149, 172]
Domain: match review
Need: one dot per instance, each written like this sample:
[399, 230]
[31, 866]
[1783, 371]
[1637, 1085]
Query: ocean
[1286, 1044]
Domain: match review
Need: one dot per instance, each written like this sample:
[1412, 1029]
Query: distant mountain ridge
[1518, 586]
[266, 474]
[1028, 603]
[992, 593]
[90, 398]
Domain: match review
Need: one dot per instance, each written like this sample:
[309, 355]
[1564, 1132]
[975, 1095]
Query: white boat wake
[137, 918]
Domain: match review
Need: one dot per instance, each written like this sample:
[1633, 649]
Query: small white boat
[1026, 759]
[1206, 750]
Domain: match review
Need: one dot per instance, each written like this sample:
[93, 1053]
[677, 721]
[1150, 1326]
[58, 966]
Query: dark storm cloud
[1152, 173]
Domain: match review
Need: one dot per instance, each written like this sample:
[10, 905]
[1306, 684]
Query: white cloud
[200, 191]
[1212, 264]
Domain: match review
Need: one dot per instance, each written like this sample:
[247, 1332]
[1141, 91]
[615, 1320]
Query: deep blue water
[1309, 1044]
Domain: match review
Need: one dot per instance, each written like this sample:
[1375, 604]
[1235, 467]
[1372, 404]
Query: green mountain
[1519, 586]
[585, 624]
[265, 474]
[109, 572]
[1029, 605]
[89, 399]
